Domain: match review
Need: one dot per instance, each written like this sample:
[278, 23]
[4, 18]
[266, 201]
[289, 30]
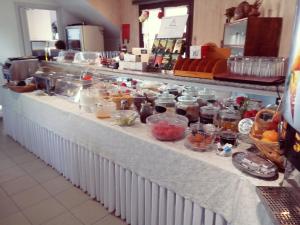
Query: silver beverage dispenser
[283, 203]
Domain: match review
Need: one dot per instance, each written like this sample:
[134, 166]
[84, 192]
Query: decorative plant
[242, 103]
[243, 10]
[229, 14]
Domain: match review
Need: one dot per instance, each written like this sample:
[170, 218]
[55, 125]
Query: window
[42, 24]
[149, 29]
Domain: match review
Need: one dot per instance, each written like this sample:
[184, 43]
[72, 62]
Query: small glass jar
[229, 119]
[165, 100]
[230, 102]
[205, 97]
[145, 111]
[187, 106]
[104, 110]
[193, 91]
[208, 114]
[228, 137]
[142, 97]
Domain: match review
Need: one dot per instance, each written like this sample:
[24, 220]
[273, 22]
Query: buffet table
[142, 180]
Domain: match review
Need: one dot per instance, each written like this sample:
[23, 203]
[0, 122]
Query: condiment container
[104, 110]
[193, 91]
[139, 98]
[206, 96]
[201, 140]
[171, 89]
[228, 137]
[187, 106]
[165, 100]
[229, 119]
[208, 114]
[230, 102]
[146, 111]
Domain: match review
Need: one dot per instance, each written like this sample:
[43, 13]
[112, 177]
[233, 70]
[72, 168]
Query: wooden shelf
[172, 79]
[258, 42]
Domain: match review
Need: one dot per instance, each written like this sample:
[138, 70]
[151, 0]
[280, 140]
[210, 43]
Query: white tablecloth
[184, 185]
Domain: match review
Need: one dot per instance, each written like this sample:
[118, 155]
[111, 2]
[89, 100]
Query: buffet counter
[140, 179]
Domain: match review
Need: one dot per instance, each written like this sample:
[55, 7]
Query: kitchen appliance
[19, 68]
[283, 203]
[85, 38]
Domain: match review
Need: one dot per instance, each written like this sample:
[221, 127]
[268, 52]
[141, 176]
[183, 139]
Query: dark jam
[146, 111]
[228, 138]
[160, 109]
[212, 101]
[207, 119]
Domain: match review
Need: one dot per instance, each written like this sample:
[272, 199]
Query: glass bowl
[125, 117]
[200, 141]
[167, 126]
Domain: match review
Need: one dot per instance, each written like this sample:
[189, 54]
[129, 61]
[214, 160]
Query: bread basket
[271, 150]
[22, 89]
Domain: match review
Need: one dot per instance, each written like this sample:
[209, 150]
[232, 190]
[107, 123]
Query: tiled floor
[32, 193]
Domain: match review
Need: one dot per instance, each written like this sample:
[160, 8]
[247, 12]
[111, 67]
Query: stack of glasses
[257, 66]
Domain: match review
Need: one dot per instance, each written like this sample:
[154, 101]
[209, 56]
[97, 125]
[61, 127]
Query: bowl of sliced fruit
[167, 126]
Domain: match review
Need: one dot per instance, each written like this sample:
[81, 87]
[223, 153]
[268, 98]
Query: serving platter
[255, 165]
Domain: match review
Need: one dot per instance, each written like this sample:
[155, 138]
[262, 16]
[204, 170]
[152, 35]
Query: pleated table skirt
[133, 198]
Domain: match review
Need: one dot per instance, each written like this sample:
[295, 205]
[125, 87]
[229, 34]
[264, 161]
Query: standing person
[60, 45]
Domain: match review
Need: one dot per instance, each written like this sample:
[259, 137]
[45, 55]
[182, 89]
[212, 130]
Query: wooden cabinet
[254, 36]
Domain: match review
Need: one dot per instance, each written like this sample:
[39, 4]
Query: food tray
[255, 165]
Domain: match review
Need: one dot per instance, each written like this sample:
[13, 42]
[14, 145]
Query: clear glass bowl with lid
[229, 119]
[165, 101]
[193, 91]
[208, 114]
[188, 106]
[206, 96]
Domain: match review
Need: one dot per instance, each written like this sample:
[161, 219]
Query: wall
[209, 19]
[285, 9]
[9, 41]
[93, 14]
[110, 9]
[130, 14]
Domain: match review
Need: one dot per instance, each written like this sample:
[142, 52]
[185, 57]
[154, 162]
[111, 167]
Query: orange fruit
[270, 135]
[266, 140]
